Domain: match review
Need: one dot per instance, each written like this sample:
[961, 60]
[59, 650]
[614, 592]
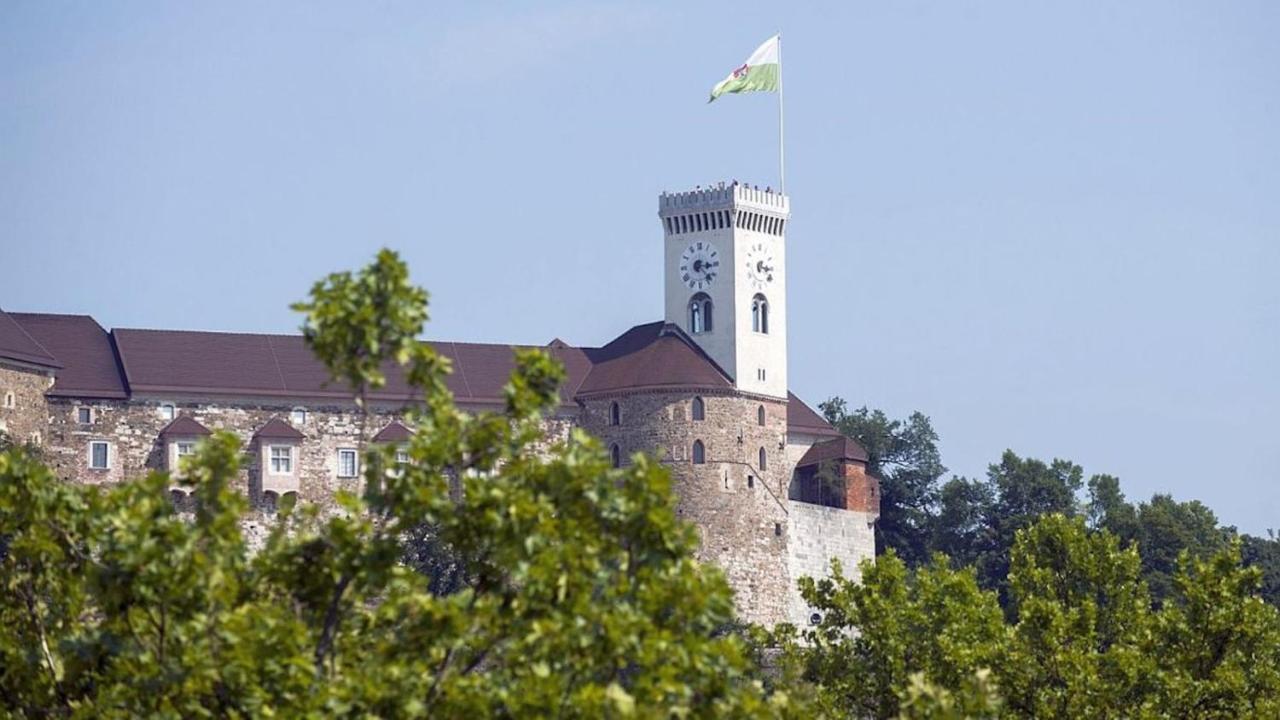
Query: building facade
[775, 492]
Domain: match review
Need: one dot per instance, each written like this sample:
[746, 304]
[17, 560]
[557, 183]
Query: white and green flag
[758, 74]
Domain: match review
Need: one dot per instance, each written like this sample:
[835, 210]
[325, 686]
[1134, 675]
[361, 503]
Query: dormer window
[184, 448]
[700, 314]
[167, 411]
[760, 314]
[298, 416]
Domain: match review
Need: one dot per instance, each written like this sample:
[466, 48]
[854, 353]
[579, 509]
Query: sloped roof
[184, 426]
[652, 356]
[394, 432]
[802, 418]
[277, 429]
[841, 448]
[179, 361]
[17, 344]
[89, 367]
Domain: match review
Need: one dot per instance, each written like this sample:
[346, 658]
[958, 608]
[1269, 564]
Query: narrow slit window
[615, 414]
[699, 409]
[764, 460]
[615, 455]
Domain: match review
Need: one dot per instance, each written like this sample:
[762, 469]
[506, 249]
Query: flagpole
[782, 165]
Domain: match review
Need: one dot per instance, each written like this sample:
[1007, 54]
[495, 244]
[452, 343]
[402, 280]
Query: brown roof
[652, 356]
[101, 365]
[802, 418]
[17, 344]
[841, 448]
[184, 426]
[277, 429]
[89, 367]
[394, 432]
[173, 361]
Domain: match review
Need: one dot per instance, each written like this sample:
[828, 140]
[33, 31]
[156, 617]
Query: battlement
[725, 196]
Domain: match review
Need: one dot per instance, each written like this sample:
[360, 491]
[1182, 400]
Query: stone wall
[740, 510]
[819, 534]
[26, 420]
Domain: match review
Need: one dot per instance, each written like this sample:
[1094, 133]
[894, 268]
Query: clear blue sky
[1053, 229]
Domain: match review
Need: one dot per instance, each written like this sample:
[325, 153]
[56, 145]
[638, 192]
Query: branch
[325, 646]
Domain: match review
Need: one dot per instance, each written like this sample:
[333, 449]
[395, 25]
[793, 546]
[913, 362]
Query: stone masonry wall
[26, 420]
[740, 511]
[819, 534]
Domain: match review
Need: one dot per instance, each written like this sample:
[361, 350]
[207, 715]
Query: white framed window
[167, 411]
[9, 400]
[348, 463]
[84, 415]
[99, 455]
[184, 448]
[298, 416]
[35, 438]
[281, 459]
[402, 457]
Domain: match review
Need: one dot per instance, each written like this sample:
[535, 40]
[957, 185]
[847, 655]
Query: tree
[581, 597]
[904, 456]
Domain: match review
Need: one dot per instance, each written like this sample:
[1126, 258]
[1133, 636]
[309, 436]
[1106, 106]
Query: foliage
[1084, 643]
[580, 596]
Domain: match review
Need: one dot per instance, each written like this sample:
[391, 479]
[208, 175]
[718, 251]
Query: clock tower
[725, 270]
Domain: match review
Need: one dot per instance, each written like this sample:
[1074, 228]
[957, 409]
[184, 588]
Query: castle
[773, 489]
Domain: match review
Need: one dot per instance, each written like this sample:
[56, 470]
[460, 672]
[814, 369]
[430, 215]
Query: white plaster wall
[819, 534]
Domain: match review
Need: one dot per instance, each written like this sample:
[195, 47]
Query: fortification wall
[24, 412]
[739, 509]
[819, 534]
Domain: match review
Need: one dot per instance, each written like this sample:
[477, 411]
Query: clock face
[760, 266]
[699, 265]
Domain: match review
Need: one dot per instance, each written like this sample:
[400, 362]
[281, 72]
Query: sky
[1051, 227]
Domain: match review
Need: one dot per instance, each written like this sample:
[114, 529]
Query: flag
[758, 74]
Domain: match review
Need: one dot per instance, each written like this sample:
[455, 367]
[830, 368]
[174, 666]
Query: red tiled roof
[277, 429]
[394, 432]
[17, 344]
[184, 426]
[89, 362]
[802, 418]
[652, 356]
[841, 448]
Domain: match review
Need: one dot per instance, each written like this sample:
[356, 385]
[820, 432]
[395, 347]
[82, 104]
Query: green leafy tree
[904, 455]
[876, 633]
[581, 597]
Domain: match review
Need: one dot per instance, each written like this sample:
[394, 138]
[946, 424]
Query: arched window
[700, 314]
[764, 460]
[760, 415]
[699, 409]
[760, 314]
[699, 453]
[615, 414]
[615, 455]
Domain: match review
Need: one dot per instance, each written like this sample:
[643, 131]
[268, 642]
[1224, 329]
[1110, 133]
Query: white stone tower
[726, 280]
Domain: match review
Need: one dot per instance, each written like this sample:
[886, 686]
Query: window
[298, 416]
[84, 416]
[760, 314]
[615, 414]
[281, 460]
[751, 481]
[185, 448]
[99, 455]
[615, 455]
[699, 409]
[9, 400]
[760, 415]
[167, 411]
[35, 438]
[348, 465]
[764, 460]
[402, 457]
[700, 314]
[699, 453]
